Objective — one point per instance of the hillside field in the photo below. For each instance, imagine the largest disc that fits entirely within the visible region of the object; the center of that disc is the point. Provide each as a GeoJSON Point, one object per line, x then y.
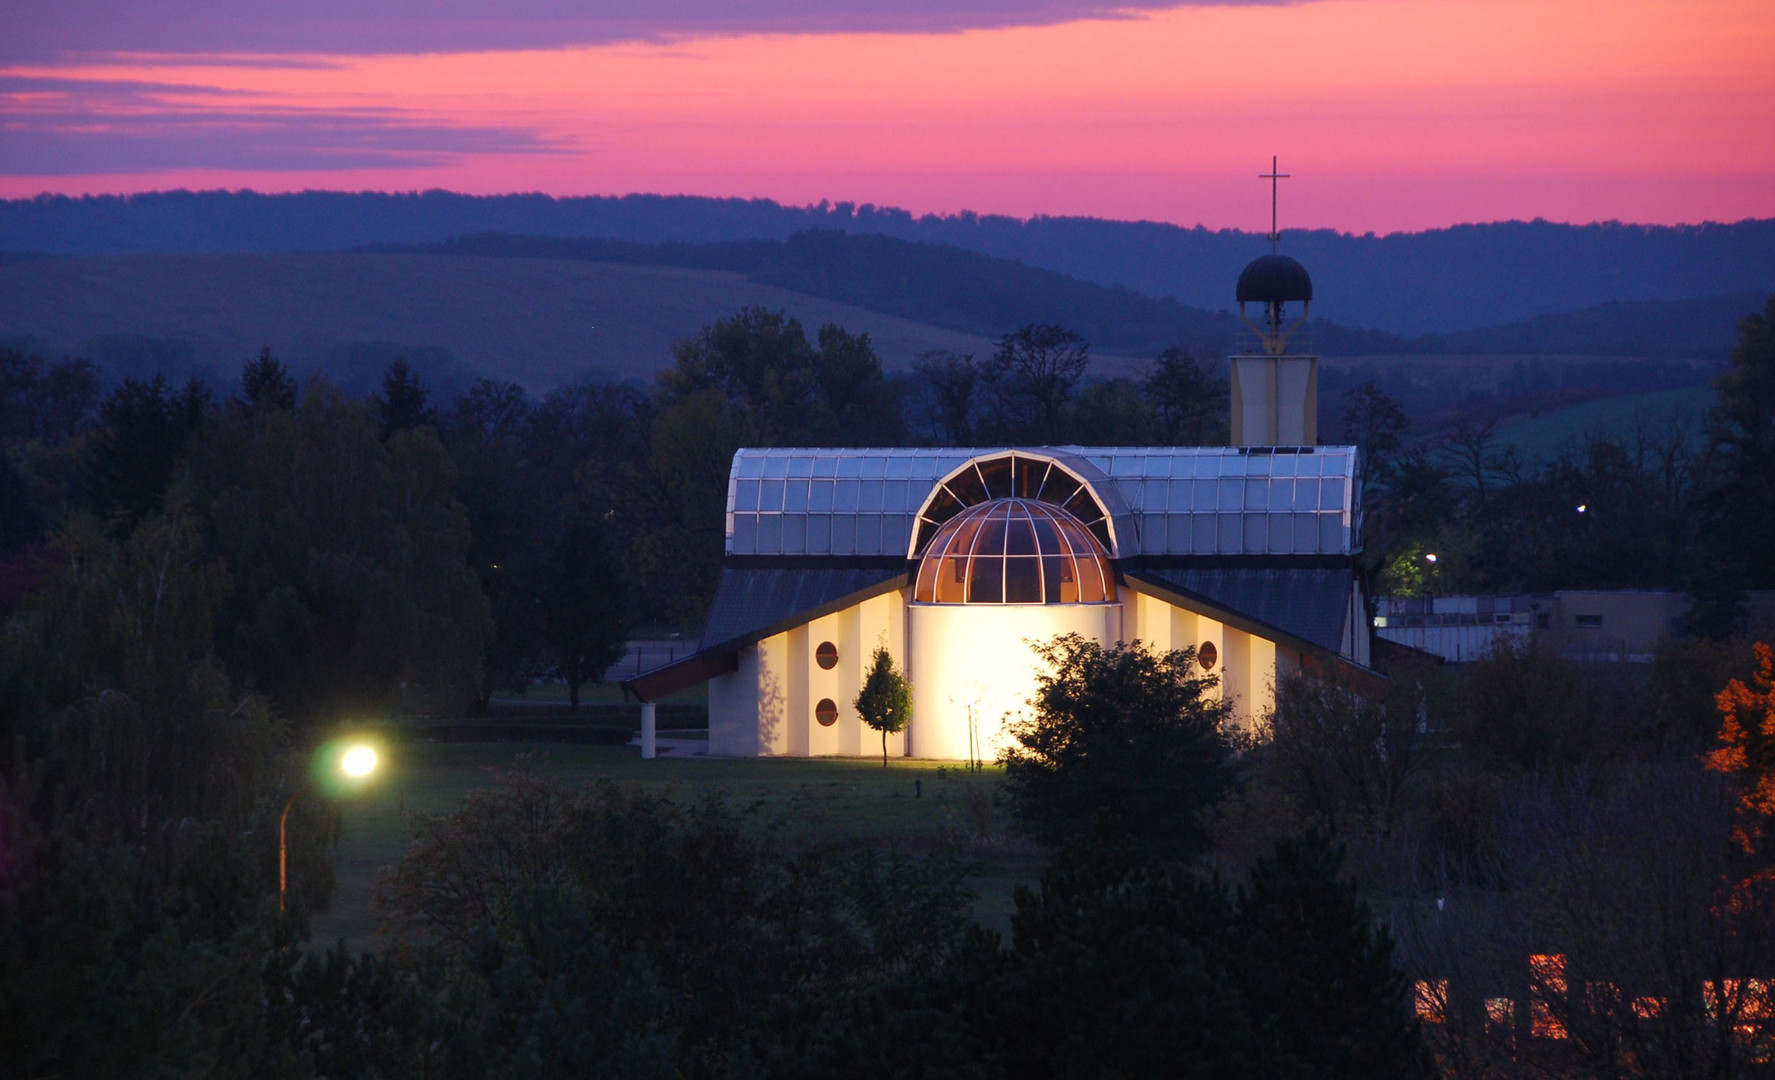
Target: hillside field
{"type": "Point", "coordinates": [1540, 438]}
{"type": "Point", "coordinates": [541, 323]}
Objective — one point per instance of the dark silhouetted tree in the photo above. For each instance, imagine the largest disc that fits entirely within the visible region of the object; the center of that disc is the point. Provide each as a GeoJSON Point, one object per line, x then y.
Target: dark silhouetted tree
{"type": "Point", "coordinates": [1376, 424]}
{"type": "Point", "coordinates": [404, 403]}
{"type": "Point", "coordinates": [1121, 739]}
{"type": "Point", "coordinates": [42, 402]}
{"type": "Point", "coordinates": [1315, 966]}
{"type": "Point", "coordinates": [266, 385]}
{"type": "Point", "coordinates": [353, 594]}
{"type": "Point", "coordinates": [1191, 405]}
{"type": "Point", "coordinates": [1742, 430]}
{"type": "Point", "coordinates": [948, 380]}
{"type": "Point", "coordinates": [1031, 377]}
{"type": "Point", "coordinates": [585, 587]}
{"type": "Point", "coordinates": [144, 430]}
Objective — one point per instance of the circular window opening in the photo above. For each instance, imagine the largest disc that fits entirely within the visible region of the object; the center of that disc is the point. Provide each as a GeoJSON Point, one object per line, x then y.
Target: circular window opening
{"type": "Point", "coordinates": [1207, 655]}
{"type": "Point", "coordinates": [826, 712]}
{"type": "Point", "coordinates": [826, 655]}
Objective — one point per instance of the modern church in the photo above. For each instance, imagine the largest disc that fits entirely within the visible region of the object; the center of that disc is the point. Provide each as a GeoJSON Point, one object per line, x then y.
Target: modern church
{"type": "Point", "coordinates": [958, 560]}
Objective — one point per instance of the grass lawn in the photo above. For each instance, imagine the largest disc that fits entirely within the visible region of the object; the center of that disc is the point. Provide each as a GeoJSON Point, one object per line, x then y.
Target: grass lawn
{"type": "Point", "coordinates": [911, 805]}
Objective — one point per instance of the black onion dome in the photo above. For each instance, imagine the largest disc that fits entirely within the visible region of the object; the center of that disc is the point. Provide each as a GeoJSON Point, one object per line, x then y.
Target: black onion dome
{"type": "Point", "coordinates": [1275, 278]}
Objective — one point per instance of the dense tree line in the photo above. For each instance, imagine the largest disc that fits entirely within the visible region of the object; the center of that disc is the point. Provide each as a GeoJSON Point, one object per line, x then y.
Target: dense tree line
{"type": "Point", "coordinates": [1663, 507]}
{"type": "Point", "coordinates": [198, 590]}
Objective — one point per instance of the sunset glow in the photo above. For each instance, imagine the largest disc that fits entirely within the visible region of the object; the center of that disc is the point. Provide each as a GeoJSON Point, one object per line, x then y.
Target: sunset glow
{"type": "Point", "coordinates": [1391, 115]}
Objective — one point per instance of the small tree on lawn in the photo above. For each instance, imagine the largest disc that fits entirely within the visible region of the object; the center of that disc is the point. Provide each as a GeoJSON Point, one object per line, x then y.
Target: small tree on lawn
{"type": "Point", "coordinates": [886, 701]}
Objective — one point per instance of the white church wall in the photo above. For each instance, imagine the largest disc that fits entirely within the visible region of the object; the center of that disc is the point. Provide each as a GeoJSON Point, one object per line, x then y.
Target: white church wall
{"type": "Point", "coordinates": [823, 684]}
{"type": "Point", "coordinates": [1235, 672]}
{"type": "Point", "coordinates": [850, 674]}
{"type": "Point", "coordinates": [769, 706]}
{"type": "Point", "coordinates": [733, 709]}
{"type": "Point", "coordinates": [976, 658]}
{"type": "Point", "coordinates": [1150, 620]}
{"type": "Point", "coordinates": [1189, 628]}
{"type": "Point", "coordinates": [798, 664]}
{"type": "Point", "coordinates": [774, 720]}
{"type": "Point", "coordinates": [1261, 683]}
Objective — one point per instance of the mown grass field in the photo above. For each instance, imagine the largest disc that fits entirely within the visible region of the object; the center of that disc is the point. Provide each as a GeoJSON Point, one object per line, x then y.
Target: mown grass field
{"type": "Point", "coordinates": [1541, 438]}
{"type": "Point", "coordinates": [912, 805]}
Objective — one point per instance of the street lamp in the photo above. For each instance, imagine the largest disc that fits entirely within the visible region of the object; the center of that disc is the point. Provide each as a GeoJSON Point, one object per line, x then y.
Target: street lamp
{"type": "Point", "coordinates": [355, 763]}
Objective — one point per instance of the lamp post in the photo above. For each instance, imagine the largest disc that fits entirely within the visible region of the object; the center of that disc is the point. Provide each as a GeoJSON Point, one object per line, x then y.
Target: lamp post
{"type": "Point", "coordinates": [356, 763]}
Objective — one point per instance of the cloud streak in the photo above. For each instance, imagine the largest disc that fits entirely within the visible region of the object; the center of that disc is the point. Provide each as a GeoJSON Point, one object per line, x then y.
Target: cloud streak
{"type": "Point", "coordinates": [1391, 113]}
{"type": "Point", "coordinates": [35, 31]}
{"type": "Point", "coordinates": [58, 126]}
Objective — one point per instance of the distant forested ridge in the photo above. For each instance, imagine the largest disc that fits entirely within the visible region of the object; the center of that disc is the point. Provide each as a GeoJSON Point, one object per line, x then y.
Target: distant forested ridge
{"type": "Point", "coordinates": [957, 289]}
{"type": "Point", "coordinates": [1442, 280]}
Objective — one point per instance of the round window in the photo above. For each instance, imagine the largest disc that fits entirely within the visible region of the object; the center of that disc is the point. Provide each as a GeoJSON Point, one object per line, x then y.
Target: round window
{"type": "Point", "coordinates": [826, 712]}
{"type": "Point", "coordinates": [826, 655]}
{"type": "Point", "coordinates": [1207, 655]}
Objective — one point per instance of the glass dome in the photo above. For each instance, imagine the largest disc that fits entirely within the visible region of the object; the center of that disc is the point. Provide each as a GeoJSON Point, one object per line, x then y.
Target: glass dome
{"type": "Point", "coordinates": [1014, 551]}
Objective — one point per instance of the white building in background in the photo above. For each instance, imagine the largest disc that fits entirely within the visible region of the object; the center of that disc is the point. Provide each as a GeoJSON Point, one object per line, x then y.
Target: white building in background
{"type": "Point", "coordinates": [958, 560]}
{"type": "Point", "coordinates": [1620, 625]}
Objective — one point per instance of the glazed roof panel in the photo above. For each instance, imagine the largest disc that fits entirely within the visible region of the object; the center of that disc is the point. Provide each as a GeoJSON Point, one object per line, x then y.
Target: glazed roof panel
{"type": "Point", "coordinates": [1192, 500]}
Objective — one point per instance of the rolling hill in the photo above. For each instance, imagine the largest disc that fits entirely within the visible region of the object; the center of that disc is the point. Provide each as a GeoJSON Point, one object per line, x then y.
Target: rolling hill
{"type": "Point", "coordinates": [1438, 281]}
{"type": "Point", "coordinates": [537, 322]}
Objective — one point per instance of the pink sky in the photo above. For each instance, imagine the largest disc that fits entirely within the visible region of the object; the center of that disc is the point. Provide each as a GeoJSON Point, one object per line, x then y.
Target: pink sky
{"type": "Point", "coordinates": [1391, 114]}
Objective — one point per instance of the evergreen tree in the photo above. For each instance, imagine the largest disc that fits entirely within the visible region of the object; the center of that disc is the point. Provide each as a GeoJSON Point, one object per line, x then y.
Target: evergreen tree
{"type": "Point", "coordinates": [1316, 971]}
{"type": "Point", "coordinates": [886, 701]}
{"type": "Point", "coordinates": [404, 403]}
{"type": "Point", "coordinates": [1743, 435]}
{"type": "Point", "coordinates": [266, 385]}
{"type": "Point", "coordinates": [144, 431]}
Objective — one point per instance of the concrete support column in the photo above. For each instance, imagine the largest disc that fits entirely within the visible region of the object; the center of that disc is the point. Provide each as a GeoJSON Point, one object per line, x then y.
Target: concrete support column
{"type": "Point", "coordinates": [649, 731]}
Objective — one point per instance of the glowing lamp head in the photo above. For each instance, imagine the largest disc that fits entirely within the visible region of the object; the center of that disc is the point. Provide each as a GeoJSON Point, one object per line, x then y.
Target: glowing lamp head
{"type": "Point", "coordinates": [1431, 557]}
{"type": "Point", "coordinates": [1583, 507]}
{"type": "Point", "coordinates": [359, 761]}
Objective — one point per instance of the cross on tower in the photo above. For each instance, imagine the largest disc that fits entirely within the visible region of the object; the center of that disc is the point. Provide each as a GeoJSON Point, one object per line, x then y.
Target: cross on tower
{"type": "Point", "coordinates": [1272, 176]}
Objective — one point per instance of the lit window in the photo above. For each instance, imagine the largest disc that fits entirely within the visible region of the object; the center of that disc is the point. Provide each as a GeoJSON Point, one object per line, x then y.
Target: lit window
{"type": "Point", "coordinates": [1431, 1000]}
{"type": "Point", "coordinates": [1500, 1012]}
{"type": "Point", "coordinates": [1547, 987]}
{"type": "Point", "coordinates": [1014, 551]}
{"type": "Point", "coordinates": [1011, 476]}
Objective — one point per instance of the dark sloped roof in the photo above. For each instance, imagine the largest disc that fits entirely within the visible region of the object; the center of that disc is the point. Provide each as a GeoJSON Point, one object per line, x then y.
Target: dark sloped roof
{"type": "Point", "coordinates": [1309, 603]}
{"type": "Point", "coordinates": [755, 602]}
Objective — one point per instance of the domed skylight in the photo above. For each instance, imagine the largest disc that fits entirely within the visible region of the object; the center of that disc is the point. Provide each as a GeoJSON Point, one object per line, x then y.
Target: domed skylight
{"type": "Point", "coordinates": [1014, 551]}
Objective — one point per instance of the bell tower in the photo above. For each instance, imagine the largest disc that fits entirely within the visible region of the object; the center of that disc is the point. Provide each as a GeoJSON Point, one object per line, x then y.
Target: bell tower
{"type": "Point", "coordinates": [1275, 391]}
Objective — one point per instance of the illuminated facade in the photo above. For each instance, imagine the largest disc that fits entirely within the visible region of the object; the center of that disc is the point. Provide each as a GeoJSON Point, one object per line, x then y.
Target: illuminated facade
{"type": "Point", "coordinates": [956, 560]}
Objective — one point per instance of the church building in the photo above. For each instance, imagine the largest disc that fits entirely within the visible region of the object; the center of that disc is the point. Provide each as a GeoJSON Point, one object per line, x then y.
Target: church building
{"type": "Point", "coordinates": [957, 560]}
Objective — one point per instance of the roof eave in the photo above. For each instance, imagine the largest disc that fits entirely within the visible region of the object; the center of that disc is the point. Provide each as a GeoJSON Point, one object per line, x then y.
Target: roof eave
{"type": "Point", "coordinates": [1238, 620]}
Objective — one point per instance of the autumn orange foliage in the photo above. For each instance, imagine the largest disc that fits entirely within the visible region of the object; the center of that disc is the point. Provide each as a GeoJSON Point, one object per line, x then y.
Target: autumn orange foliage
{"type": "Point", "coordinates": [1747, 754]}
